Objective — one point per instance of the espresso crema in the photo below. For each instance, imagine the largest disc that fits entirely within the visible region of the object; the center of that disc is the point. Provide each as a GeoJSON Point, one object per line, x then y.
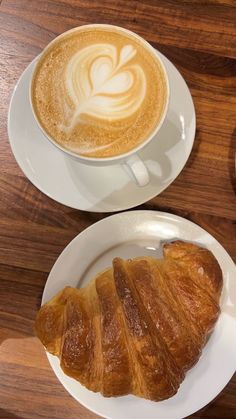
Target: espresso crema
{"type": "Point", "coordinates": [99, 91]}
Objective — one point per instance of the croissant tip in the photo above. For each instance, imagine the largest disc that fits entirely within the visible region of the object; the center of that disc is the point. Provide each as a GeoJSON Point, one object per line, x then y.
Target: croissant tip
{"type": "Point", "coordinates": [117, 261]}
{"type": "Point", "coordinates": [179, 248]}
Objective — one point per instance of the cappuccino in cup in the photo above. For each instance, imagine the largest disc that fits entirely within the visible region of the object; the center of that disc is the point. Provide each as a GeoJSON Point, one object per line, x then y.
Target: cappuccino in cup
{"type": "Point", "coordinates": [99, 91]}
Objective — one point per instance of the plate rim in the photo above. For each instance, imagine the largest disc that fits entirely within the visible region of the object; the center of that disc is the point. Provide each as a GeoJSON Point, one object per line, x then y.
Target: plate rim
{"type": "Point", "coordinates": [158, 214]}
{"type": "Point", "coordinates": [124, 213]}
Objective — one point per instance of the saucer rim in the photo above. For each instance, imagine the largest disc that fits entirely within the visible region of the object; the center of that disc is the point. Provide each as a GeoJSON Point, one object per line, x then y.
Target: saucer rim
{"type": "Point", "coordinates": [95, 208]}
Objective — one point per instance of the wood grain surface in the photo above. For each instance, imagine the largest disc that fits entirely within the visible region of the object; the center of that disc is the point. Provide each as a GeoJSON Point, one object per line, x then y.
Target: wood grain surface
{"type": "Point", "coordinates": [199, 37]}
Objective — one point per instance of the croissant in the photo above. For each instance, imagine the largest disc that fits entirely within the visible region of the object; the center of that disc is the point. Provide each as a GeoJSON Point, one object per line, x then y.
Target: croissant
{"type": "Point", "coordinates": [138, 326]}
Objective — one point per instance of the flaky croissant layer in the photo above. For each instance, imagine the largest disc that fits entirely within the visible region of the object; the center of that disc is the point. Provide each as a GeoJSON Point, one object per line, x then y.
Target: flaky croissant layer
{"type": "Point", "coordinates": [138, 326]}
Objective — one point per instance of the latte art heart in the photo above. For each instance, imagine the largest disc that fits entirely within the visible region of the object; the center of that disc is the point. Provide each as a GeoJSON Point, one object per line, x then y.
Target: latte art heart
{"type": "Point", "coordinates": [102, 83]}
{"type": "Point", "coordinates": [99, 91]}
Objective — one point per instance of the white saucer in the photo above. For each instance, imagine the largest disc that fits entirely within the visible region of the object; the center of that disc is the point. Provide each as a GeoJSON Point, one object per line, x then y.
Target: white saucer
{"type": "Point", "coordinates": [140, 233]}
{"type": "Point", "coordinates": [101, 189]}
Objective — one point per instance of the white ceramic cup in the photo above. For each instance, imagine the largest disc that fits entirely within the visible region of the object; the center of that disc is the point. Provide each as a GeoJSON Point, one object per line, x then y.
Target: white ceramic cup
{"type": "Point", "coordinates": [136, 167]}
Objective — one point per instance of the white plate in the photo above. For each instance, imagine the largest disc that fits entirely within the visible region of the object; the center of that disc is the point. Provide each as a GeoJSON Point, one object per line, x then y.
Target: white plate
{"type": "Point", "coordinates": [101, 189]}
{"type": "Point", "coordinates": [139, 233]}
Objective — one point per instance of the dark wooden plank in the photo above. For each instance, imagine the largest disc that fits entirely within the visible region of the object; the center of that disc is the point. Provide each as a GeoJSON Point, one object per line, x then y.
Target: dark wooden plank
{"type": "Point", "coordinates": [170, 22]}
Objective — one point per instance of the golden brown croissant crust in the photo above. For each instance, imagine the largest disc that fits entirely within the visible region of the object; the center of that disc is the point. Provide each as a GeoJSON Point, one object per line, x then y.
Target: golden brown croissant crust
{"type": "Point", "coordinates": [137, 327]}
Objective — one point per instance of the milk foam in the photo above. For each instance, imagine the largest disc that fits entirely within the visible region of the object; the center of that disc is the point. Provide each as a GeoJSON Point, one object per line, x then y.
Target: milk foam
{"type": "Point", "coordinates": [102, 83]}
{"type": "Point", "coordinates": [98, 92]}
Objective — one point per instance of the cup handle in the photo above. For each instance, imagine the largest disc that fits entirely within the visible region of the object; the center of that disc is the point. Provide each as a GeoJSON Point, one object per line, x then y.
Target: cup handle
{"type": "Point", "coordinates": [138, 170]}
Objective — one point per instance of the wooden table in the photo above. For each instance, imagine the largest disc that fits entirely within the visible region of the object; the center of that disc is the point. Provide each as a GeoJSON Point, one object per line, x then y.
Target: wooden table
{"type": "Point", "coordinates": [200, 39]}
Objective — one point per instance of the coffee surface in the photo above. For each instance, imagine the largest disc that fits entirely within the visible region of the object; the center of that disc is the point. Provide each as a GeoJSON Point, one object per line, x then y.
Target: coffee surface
{"type": "Point", "coordinates": [98, 92]}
